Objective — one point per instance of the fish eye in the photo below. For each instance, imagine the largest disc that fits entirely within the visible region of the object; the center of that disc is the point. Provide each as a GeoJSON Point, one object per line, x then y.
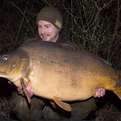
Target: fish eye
{"type": "Point", "coordinates": [3, 58]}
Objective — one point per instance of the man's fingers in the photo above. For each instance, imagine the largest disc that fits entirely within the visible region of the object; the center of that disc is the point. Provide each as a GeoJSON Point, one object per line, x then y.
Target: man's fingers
{"type": "Point", "coordinates": [100, 92]}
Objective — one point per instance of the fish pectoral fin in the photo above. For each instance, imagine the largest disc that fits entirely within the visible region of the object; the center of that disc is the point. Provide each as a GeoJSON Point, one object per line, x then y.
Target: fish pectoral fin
{"type": "Point", "coordinates": [61, 104]}
{"type": "Point", "coordinates": [25, 91]}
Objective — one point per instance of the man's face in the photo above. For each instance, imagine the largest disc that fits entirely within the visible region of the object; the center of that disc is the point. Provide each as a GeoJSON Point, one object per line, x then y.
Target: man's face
{"type": "Point", "coordinates": [47, 31]}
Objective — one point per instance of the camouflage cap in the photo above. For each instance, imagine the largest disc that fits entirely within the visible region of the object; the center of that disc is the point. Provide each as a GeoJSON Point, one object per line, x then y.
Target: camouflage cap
{"type": "Point", "coordinates": [51, 15]}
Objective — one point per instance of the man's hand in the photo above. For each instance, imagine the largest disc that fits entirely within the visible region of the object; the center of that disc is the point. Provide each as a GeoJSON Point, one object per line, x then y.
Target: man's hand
{"type": "Point", "coordinates": [100, 92]}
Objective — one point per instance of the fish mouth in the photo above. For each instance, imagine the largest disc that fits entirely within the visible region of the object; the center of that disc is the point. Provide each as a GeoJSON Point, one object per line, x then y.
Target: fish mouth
{"type": "Point", "coordinates": [2, 73]}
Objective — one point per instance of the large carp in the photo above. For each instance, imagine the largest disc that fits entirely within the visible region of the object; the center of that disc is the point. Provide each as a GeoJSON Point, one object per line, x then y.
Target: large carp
{"type": "Point", "coordinates": [57, 73]}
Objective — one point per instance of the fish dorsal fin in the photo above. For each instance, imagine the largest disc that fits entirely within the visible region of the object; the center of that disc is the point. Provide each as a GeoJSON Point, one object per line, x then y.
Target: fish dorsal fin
{"type": "Point", "coordinates": [62, 104]}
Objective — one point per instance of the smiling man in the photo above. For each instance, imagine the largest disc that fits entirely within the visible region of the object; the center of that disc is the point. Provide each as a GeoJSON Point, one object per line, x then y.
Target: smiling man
{"type": "Point", "coordinates": [49, 24]}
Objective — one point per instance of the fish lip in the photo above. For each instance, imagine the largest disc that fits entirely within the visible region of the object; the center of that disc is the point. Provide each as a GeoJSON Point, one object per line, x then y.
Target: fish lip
{"type": "Point", "coordinates": [2, 73]}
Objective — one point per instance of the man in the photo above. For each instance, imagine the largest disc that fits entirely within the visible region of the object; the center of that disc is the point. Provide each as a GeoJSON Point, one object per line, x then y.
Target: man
{"type": "Point", "coordinates": [49, 24]}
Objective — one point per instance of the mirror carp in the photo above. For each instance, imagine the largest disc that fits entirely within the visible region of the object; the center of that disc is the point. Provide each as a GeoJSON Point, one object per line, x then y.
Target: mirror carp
{"type": "Point", "coordinates": [57, 73]}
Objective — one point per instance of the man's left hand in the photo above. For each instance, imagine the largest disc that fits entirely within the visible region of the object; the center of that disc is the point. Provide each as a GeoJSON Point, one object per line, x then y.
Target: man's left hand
{"type": "Point", "coordinates": [100, 92]}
